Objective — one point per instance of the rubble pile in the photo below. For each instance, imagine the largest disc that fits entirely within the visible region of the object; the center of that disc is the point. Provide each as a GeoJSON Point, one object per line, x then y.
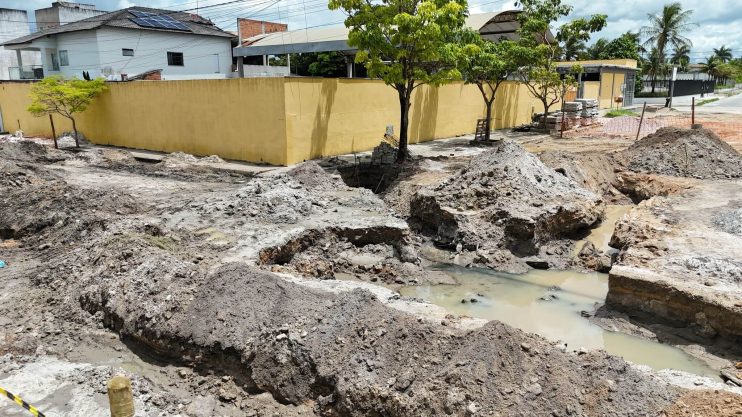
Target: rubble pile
{"type": "Point", "coordinates": [506, 200]}
{"type": "Point", "coordinates": [696, 153]}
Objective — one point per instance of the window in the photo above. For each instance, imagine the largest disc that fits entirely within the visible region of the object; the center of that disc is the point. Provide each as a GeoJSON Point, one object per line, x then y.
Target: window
{"type": "Point", "coordinates": [127, 52]}
{"type": "Point", "coordinates": [64, 60]}
{"type": "Point", "coordinates": [175, 58]}
{"type": "Point", "coordinates": [55, 61]}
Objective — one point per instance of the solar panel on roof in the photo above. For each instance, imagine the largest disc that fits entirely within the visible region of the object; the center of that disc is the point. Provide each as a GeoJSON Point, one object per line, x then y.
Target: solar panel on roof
{"type": "Point", "coordinates": [138, 13]}
{"type": "Point", "coordinates": [152, 20]}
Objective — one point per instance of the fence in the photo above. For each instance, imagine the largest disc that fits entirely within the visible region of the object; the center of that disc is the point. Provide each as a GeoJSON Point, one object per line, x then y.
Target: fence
{"type": "Point", "coordinates": [634, 127]}
{"type": "Point", "coordinates": [682, 87]}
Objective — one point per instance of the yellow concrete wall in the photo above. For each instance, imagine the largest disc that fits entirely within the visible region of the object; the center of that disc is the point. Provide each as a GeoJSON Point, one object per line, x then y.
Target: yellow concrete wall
{"type": "Point", "coordinates": [337, 116]}
{"type": "Point", "coordinates": [274, 120]}
{"type": "Point", "coordinates": [241, 119]}
{"type": "Point", "coordinates": [610, 87]}
{"type": "Point", "coordinates": [591, 89]}
{"type": "Point", "coordinates": [14, 101]}
{"type": "Point", "coordinates": [631, 63]}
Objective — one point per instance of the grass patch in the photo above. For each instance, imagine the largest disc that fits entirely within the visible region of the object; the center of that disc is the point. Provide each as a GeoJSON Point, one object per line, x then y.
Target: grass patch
{"type": "Point", "coordinates": [620, 112]}
{"type": "Point", "coordinates": [706, 101]}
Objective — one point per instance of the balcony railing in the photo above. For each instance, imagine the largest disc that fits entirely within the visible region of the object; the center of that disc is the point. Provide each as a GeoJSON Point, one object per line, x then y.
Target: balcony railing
{"type": "Point", "coordinates": [26, 72]}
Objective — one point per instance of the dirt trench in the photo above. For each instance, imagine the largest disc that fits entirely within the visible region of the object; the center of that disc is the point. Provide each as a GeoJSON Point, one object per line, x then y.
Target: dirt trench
{"type": "Point", "coordinates": [140, 264]}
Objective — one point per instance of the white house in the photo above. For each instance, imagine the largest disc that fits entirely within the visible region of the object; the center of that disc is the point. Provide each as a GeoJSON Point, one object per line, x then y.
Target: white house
{"type": "Point", "coordinates": [14, 23]}
{"type": "Point", "coordinates": [129, 42]}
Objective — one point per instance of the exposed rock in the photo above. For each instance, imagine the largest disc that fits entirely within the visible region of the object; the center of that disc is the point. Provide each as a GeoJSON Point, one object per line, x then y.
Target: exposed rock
{"type": "Point", "coordinates": [666, 273]}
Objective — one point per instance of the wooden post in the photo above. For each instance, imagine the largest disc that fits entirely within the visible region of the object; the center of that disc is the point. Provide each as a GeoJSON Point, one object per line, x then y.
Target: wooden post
{"type": "Point", "coordinates": [120, 397]}
{"type": "Point", "coordinates": [54, 132]}
{"type": "Point", "coordinates": [693, 112]}
{"type": "Point", "coordinates": [641, 120]}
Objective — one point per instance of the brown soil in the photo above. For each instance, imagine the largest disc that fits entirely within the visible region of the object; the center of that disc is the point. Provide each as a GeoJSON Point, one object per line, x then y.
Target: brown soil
{"type": "Point", "coordinates": [706, 404]}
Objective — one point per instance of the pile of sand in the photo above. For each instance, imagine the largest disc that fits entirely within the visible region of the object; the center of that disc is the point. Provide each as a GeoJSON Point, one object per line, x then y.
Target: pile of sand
{"type": "Point", "coordinates": [696, 153]}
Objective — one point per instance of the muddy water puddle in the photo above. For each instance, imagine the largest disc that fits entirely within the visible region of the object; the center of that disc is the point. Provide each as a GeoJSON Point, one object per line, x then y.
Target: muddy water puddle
{"type": "Point", "coordinates": [551, 304]}
{"type": "Point", "coordinates": [555, 305]}
{"type": "Point", "coordinates": [601, 235]}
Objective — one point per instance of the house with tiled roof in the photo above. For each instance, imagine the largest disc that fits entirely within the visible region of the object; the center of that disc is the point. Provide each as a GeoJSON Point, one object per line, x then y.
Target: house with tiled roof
{"type": "Point", "coordinates": [129, 42]}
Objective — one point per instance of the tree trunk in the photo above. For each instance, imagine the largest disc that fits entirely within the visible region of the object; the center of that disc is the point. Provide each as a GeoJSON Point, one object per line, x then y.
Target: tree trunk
{"type": "Point", "coordinates": [546, 113]}
{"type": "Point", "coordinates": [74, 129]}
{"type": "Point", "coordinates": [404, 111]}
{"type": "Point", "coordinates": [488, 123]}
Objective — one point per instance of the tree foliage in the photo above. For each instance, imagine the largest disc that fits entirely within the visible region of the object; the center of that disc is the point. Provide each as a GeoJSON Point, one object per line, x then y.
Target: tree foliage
{"type": "Point", "coordinates": [55, 95]}
{"type": "Point", "coordinates": [666, 29]}
{"type": "Point", "coordinates": [536, 55]}
{"type": "Point", "coordinates": [681, 56]}
{"type": "Point", "coordinates": [723, 54]}
{"type": "Point", "coordinates": [625, 46]}
{"type": "Point", "coordinates": [406, 43]}
{"type": "Point", "coordinates": [487, 65]}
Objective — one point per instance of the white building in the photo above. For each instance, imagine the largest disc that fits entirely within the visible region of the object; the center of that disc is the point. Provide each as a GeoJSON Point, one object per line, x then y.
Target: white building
{"type": "Point", "coordinates": [62, 12]}
{"type": "Point", "coordinates": [129, 42]}
{"type": "Point", "coordinates": [14, 23]}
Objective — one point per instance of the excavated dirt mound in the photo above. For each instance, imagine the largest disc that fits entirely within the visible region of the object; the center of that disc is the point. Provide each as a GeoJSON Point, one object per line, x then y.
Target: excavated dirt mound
{"type": "Point", "coordinates": [594, 171]}
{"type": "Point", "coordinates": [351, 355]}
{"type": "Point", "coordinates": [29, 151]}
{"type": "Point", "coordinates": [312, 176]}
{"type": "Point", "coordinates": [52, 206]}
{"type": "Point", "coordinates": [506, 199]}
{"type": "Point", "coordinates": [696, 153]}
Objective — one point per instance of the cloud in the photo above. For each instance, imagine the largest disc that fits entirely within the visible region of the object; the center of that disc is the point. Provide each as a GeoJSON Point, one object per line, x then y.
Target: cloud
{"type": "Point", "coordinates": [718, 22]}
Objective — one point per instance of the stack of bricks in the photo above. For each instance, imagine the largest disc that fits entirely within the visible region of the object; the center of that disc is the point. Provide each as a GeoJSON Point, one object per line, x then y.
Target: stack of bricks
{"type": "Point", "coordinates": [589, 110]}
{"type": "Point", "coordinates": [572, 111]}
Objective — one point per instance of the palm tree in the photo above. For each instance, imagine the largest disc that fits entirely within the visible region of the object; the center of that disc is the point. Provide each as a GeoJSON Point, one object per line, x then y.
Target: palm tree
{"type": "Point", "coordinates": [711, 66]}
{"type": "Point", "coordinates": [667, 29]}
{"type": "Point", "coordinates": [681, 56]}
{"type": "Point", "coordinates": [723, 54]}
{"type": "Point", "coordinates": [654, 66]}
{"type": "Point", "coordinates": [573, 49]}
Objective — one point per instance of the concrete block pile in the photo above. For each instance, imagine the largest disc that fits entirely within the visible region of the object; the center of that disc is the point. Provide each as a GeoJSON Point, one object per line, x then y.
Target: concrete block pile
{"type": "Point", "coordinates": [589, 110]}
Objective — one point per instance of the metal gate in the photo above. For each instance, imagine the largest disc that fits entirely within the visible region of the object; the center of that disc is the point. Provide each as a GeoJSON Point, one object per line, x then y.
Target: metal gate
{"type": "Point", "coordinates": [628, 90]}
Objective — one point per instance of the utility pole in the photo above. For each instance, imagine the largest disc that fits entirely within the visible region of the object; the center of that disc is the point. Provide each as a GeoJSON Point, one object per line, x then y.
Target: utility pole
{"type": "Point", "coordinates": [672, 85]}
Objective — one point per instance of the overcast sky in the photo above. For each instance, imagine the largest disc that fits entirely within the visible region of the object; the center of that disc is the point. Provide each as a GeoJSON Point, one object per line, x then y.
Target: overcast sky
{"type": "Point", "coordinates": [719, 21]}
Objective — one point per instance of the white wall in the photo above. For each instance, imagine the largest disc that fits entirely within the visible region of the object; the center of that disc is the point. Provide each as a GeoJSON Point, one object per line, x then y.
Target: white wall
{"type": "Point", "coordinates": [56, 15]}
{"type": "Point", "coordinates": [14, 24]}
{"type": "Point", "coordinates": [150, 52]}
{"type": "Point", "coordinates": [82, 53]}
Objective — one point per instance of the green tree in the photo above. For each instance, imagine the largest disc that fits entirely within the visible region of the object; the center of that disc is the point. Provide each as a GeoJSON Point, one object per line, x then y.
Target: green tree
{"type": "Point", "coordinates": [625, 46]}
{"type": "Point", "coordinates": [487, 65]}
{"type": "Point", "coordinates": [573, 49]}
{"type": "Point", "coordinates": [655, 66]}
{"type": "Point", "coordinates": [711, 67]}
{"type": "Point", "coordinates": [597, 49]}
{"type": "Point", "coordinates": [681, 56]}
{"type": "Point", "coordinates": [723, 54]}
{"type": "Point", "coordinates": [406, 43]}
{"type": "Point", "coordinates": [55, 95]}
{"type": "Point", "coordinates": [329, 64]}
{"type": "Point", "coordinates": [537, 56]}
{"type": "Point", "coordinates": [725, 72]}
{"type": "Point", "coordinates": [665, 29]}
